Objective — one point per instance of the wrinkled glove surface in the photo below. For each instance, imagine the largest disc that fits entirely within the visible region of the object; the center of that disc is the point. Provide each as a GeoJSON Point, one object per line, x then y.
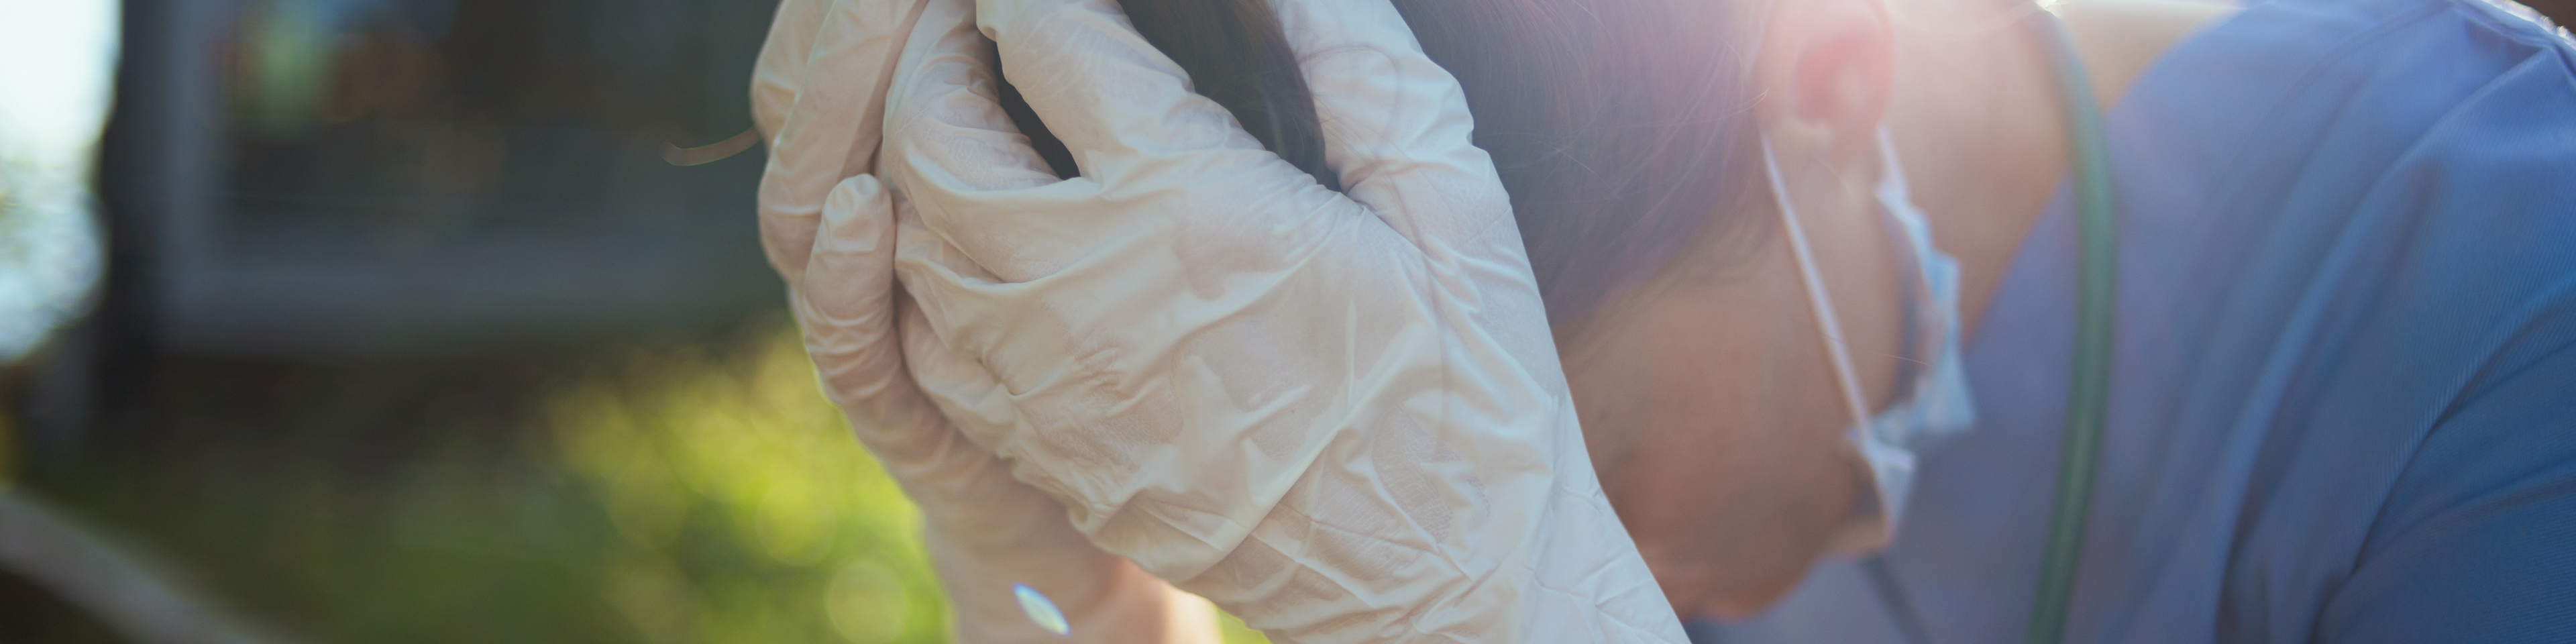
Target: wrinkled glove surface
{"type": "Point", "coordinates": [826, 222]}
{"type": "Point", "coordinates": [1340, 417]}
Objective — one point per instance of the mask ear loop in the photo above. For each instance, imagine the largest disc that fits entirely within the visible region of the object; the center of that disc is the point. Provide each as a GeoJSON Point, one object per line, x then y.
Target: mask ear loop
{"type": "Point", "coordinates": [1925, 327]}
{"type": "Point", "coordinates": [1817, 298]}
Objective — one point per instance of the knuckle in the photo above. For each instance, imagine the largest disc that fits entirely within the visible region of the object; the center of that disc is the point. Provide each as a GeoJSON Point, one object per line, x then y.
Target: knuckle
{"type": "Point", "coordinates": [786, 243]}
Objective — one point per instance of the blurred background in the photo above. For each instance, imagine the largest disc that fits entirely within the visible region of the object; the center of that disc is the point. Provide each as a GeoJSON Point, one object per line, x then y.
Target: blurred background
{"type": "Point", "coordinates": [385, 321]}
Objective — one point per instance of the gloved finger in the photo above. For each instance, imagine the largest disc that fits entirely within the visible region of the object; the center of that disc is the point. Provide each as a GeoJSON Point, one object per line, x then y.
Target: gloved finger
{"type": "Point", "coordinates": [1398, 134]}
{"type": "Point", "coordinates": [847, 308]}
{"type": "Point", "coordinates": [833, 130]}
{"type": "Point", "coordinates": [775, 78]}
{"type": "Point", "coordinates": [947, 135]}
{"type": "Point", "coordinates": [954, 381]}
{"type": "Point", "coordinates": [1152, 153]}
{"type": "Point", "coordinates": [960, 332]}
{"type": "Point", "coordinates": [967, 491]}
{"type": "Point", "coordinates": [992, 512]}
{"type": "Point", "coordinates": [788, 240]}
{"type": "Point", "coordinates": [1115, 100]}
{"type": "Point", "coordinates": [948, 328]}
{"type": "Point", "coordinates": [849, 315]}
{"type": "Point", "coordinates": [780, 70]}
{"type": "Point", "coordinates": [1396, 128]}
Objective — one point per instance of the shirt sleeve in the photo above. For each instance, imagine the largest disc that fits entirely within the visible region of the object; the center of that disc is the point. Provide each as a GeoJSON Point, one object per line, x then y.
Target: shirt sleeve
{"type": "Point", "coordinates": [2478, 540]}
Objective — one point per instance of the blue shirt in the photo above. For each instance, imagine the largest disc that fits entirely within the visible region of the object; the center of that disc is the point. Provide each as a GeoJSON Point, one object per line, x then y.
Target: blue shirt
{"type": "Point", "coordinates": [2343, 401]}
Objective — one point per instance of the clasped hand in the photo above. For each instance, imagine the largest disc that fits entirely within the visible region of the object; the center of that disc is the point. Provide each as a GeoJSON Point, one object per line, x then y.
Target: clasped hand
{"type": "Point", "coordinates": [1337, 415]}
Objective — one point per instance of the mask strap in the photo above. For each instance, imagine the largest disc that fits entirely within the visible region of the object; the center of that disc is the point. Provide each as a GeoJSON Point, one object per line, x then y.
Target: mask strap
{"type": "Point", "coordinates": [1912, 235]}
{"type": "Point", "coordinates": [1893, 185]}
{"type": "Point", "coordinates": [1817, 298]}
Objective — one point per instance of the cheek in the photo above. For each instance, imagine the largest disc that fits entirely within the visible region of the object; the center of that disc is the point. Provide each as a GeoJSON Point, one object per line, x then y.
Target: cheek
{"type": "Point", "coordinates": [1763, 542]}
{"type": "Point", "coordinates": [1730, 514]}
{"type": "Point", "coordinates": [1722, 473]}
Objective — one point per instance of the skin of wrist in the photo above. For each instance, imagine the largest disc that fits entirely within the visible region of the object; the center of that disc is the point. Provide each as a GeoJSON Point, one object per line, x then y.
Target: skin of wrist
{"type": "Point", "coordinates": [1104, 598]}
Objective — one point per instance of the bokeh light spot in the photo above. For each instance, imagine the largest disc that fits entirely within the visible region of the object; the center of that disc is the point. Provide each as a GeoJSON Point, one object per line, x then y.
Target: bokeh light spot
{"type": "Point", "coordinates": [1041, 610]}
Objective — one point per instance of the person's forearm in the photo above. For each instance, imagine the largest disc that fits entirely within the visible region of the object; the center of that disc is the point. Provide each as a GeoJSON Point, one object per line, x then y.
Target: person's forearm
{"type": "Point", "coordinates": [1107, 600]}
{"type": "Point", "coordinates": [1140, 608]}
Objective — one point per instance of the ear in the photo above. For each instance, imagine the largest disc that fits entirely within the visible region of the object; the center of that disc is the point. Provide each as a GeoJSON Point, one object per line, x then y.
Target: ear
{"type": "Point", "coordinates": [1826, 70]}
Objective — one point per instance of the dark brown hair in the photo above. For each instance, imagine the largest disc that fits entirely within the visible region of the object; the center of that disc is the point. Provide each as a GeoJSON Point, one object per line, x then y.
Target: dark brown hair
{"type": "Point", "coordinates": [1621, 127]}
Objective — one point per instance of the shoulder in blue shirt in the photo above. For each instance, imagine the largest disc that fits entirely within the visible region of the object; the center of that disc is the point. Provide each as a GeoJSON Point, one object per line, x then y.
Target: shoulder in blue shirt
{"type": "Point", "coordinates": [2344, 388]}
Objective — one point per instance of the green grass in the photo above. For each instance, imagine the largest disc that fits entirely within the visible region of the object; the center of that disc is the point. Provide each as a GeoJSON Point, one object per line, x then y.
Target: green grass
{"type": "Point", "coordinates": [680, 494]}
{"type": "Point", "coordinates": [742, 451]}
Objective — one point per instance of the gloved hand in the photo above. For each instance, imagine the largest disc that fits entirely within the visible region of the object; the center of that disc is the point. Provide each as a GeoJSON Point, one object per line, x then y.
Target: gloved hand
{"type": "Point", "coordinates": [827, 226]}
{"type": "Point", "coordinates": [1339, 417]}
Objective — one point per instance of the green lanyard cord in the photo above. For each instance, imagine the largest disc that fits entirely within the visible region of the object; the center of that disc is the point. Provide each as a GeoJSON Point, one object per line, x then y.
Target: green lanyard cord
{"type": "Point", "coordinates": [2089, 390]}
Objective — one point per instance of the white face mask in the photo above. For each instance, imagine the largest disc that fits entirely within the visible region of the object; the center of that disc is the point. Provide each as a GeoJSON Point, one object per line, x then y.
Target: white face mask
{"type": "Point", "coordinates": [1933, 401]}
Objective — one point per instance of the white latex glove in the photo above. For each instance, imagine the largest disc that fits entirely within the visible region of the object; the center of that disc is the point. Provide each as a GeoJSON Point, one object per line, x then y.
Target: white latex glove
{"type": "Point", "coordinates": [817, 94]}
{"type": "Point", "coordinates": [1341, 418]}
